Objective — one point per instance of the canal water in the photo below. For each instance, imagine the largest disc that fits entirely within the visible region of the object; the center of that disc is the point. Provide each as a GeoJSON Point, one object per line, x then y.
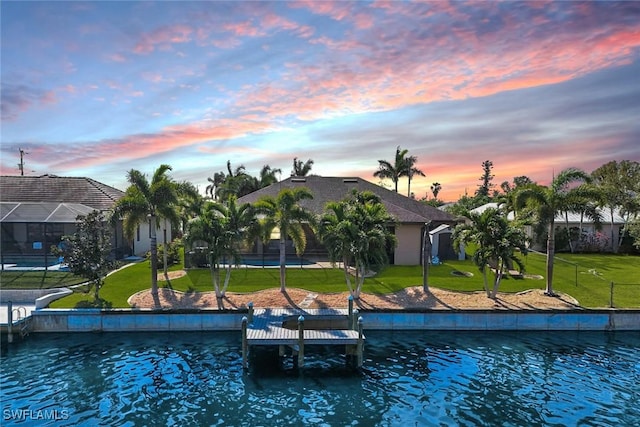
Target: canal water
{"type": "Point", "coordinates": [409, 379]}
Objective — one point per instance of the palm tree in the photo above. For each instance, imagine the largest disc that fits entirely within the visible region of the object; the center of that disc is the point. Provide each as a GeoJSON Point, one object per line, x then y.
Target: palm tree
{"type": "Point", "coordinates": [586, 208]}
{"type": "Point", "coordinates": [266, 178]}
{"type": "Point", "coordinates": [496, 240]}
{"type": "Point", "coordinates": [410, 171]}
{"type": "Point", "coordinates": [547, 202]}
{"type": "Point", "coordinates": [356, 230]}
{"type": "Point", "coordinates": [214, 185]}
{"type": "Point", "coordinates": [223, 227]}
{"type": "Point", "coordinates": [190, 203]}
{"type": "Point", "coordinates": [285, 212]}
{"type": "Point", "coordinates": [435, 189]}
{"type": "Point", "coordinates": [393, 171]}
{"type": "Point", "coordinates": [144, 200]}
{"type": "Point", "coordinates": [301, 169]}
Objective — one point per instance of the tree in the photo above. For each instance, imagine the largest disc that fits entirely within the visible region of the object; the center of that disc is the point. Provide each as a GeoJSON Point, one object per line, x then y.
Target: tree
{"type": "Point", "coordinates": [484, 189]}
{"type": "Point", "coordinates": [214, 185]}
{"type": "Point", "coordinates": [464, 204]}
{"type": "Point", "coordinates": [387, 170]}
{"type": "Point", "coordinates": [619, 183]}
{"type": "Point", "coordinates": [435, 189]}
{"type": "Point", "coordinates": [634, 231]}
{"type": "Point", "coordinates": [410, 171]}
{"type": "Point", "coordinates": [356, 231]}
{"type": "Point", "coordinates": [223, 227]}
{"type": "Point", "coordinates": [547, 202]}
{"type": "Point", "coordinates": [586, 208]}
{"type": "Point", "coordinates": [286, 213]}
{"type": "Point", "coordinates": [506, 200]}
{"type": "Point", "coordinates": [86, 252]}
{"type": "Point", "coordinates": [233, 183]}
{"type": "Point", "coordinates": [190, 203]}
{"type": "Point", "coordinates": [496, 241]}
{"type": "Point", "coordinates": [268, 176]}
{"type": "Point", "coordinates": [301, 169]}
{"type": "Point", "coordinates": [144, 200]}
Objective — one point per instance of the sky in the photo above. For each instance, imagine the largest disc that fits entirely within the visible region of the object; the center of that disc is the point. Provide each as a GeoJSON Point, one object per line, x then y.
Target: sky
{"type": "Point", "coordinates": [96, 89]}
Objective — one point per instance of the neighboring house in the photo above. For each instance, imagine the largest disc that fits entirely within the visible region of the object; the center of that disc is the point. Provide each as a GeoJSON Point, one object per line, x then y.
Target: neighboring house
{"type": "Point", "coordinates": [36, 211]}
{"type": "Point", "coordinates": [491, 205]}
{"type": "Point", "coordinates": [586, 234]}
{"type": "Point", "coordinates": [410, 214]}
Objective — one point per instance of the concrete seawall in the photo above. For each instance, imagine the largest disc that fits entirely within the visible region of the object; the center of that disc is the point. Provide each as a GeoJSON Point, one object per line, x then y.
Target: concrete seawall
{"type": "Point", "coordinates": [125, 320]}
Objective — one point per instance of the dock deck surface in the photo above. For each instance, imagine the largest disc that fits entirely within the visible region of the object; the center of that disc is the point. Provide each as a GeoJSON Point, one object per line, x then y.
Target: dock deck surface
{"type": "Point", "coordinates": [266, 328]}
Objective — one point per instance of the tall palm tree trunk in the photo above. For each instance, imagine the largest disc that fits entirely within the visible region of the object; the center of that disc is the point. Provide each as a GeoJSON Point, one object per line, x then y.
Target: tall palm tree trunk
{"type": "Point", "coordinates": [551, 249]}
{"type": "Point", "coordinates": [426, 258]}
{"type": "Point", "coordinates": [283, 260]}
{"type": "Point", "coordinates": [154, 256]}
{"type": "Point", "coordinates": [497, 278]}
{"type": "Point", "coordinates": [568, 231]}
{"type": "Point", "coordinates": [614, 246]}
{"type": "Point", "coordinates": [164, 252]}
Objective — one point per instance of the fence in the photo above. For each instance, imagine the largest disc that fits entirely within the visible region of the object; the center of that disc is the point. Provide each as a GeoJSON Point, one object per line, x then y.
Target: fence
{"type": "Point", "coordinates": [592, 282]}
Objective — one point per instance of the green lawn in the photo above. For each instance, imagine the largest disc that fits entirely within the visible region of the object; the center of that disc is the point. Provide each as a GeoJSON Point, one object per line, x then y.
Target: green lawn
{"type": "Point", "coordinates": [37, 279]}
{"type": "Point", "coordinates": [592, 288]}
{"type": "Point", "coordinates": [588, 277]}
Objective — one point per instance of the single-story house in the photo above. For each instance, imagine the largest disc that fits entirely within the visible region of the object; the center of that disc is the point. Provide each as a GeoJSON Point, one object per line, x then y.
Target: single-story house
{"type": "Point", "coordinates": [36, 211]}
{"type": "Point", "coordinates": [585, 233]}
{"type": "Point", "coordinates": [410, 214]}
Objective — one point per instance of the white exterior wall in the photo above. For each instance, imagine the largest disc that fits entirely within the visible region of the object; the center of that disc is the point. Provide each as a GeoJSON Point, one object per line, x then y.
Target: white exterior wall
{"type": "Point", "coordinates": [408, 250]}
{"type": "Point", "coordinates": [143, 245]}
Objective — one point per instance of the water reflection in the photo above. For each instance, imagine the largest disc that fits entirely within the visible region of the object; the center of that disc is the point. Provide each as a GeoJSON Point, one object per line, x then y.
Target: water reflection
{"type": "Point", "coordinates": [410, 378]}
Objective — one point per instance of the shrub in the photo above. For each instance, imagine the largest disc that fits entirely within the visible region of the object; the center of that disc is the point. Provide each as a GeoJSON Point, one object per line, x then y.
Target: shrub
{"type": "Point", "coordinates": [173, 253]}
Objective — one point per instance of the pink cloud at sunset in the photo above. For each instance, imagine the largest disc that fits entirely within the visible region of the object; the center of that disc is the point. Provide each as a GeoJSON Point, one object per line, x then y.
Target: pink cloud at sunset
{"type": "Point", "coordinates": [163, 36]}
{"type": "Point", "coordinates": [524, 84]}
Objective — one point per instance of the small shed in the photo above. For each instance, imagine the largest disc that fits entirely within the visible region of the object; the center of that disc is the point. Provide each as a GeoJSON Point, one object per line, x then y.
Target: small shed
{"type": "Point", "coordinates": [442, 244]}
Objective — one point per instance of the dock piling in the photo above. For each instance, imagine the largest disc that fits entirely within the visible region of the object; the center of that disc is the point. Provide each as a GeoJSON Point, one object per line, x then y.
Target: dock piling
{"type": "Point", "coordinates": [10, 321]}
{"type": "Point", "coordinates": [360, 349]}
{"type": "Point", "coordinates": [245, 346]}
{"type": "Point", "coordinates": [300, 341]}
{"type": "Point", "coordinates": [250, 312]}
{"type": "Point", "coordinates": [354, 322]}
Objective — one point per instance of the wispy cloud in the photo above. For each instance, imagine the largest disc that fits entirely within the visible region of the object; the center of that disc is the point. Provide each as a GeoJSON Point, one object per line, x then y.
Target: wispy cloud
{"type": "Point", "coordinates": [198, 75]}
{"type": "Point", "coordinates": [163, 37]}
{"type": "Point", "coordinates": [19, 98]}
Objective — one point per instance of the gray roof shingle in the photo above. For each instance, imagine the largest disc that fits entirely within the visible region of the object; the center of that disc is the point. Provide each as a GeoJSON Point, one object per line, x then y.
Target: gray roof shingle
{"type": "Point", "coordinates": [326, 189]}
{"type": "Point", "coordinates": [55, 189]}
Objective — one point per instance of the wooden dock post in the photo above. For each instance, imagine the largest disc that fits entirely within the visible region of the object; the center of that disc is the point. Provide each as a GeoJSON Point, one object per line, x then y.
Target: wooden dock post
{"type": "Point", "coordinates": [10, 321]}
{"type": "Point", "coordinates": [300, 341]}
{"type": "Point", "coordinates": [350, 312]}
{"type": "Point", "coordinates": [354, 323]}
{"type": "Point", "coordinates": [250, 312]}
{"type": "Point", "coordinates": [360, 343]}
{"type": "Point", "coordinates": [245, 345]}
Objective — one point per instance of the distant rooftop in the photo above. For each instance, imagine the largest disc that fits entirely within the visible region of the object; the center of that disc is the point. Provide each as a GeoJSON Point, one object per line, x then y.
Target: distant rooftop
{"type": "Point", "coordinates": [326, 189]}
{"type": "Point", "coordinates": [56, 189]}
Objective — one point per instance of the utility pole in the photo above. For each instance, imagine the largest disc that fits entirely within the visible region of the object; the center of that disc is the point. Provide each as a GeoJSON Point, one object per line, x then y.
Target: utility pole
{"type": "Point", "coordinates": [21, 164]}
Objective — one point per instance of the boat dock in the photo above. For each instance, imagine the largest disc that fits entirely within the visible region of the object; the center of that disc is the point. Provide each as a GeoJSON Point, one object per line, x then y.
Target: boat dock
{"type": "Point", "coordinates": [294, 329]}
